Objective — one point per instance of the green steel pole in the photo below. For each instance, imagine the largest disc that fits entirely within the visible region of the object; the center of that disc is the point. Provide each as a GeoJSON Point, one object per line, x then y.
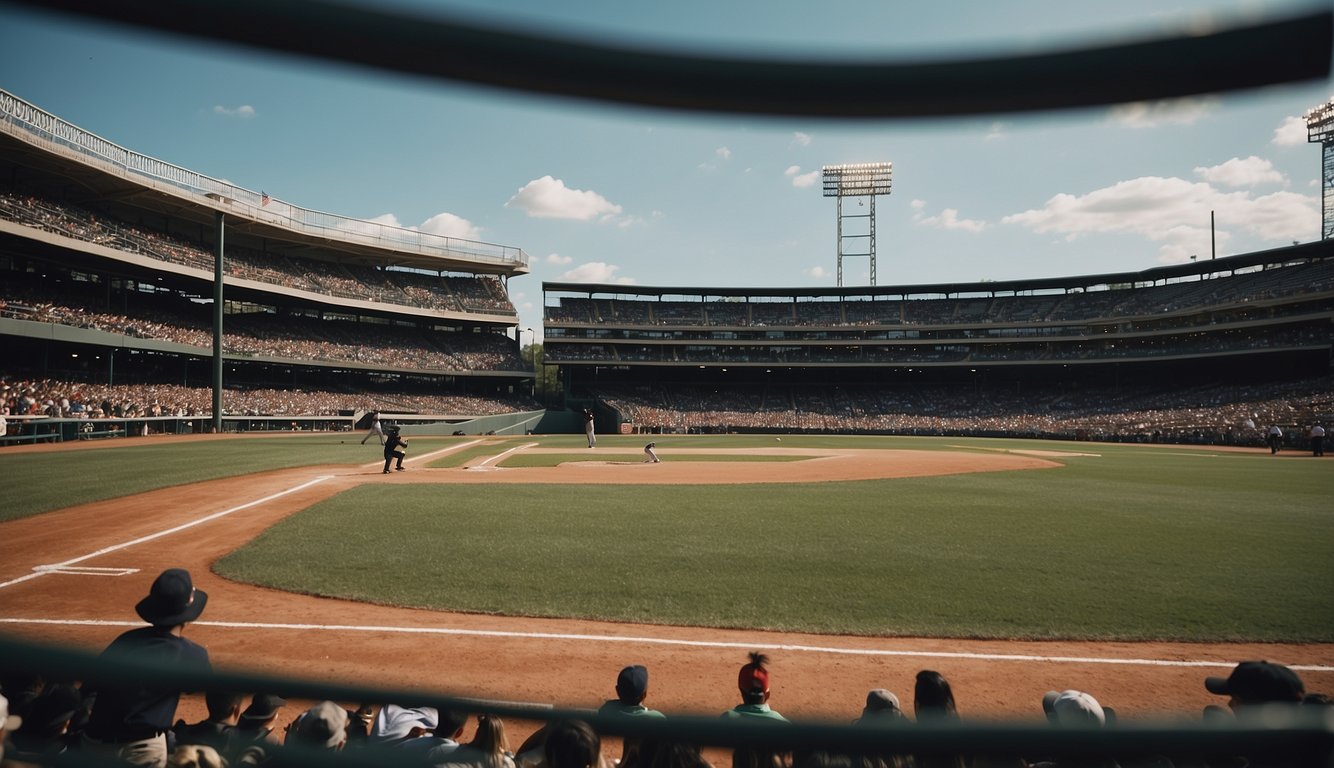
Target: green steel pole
{"type": "Point", "coordinates": [217, 325]}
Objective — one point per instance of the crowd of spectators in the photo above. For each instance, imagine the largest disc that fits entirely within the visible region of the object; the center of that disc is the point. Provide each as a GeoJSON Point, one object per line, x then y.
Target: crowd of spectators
{"type": "Point", "coordinates": [1206, 414]}
{"type": "Point", "coordinates": [263, 334]}
{"type": "Point", "coordinates": [82, 400]}
{"type": "Point", "coordinates": [1125, 303]}
{"type": "Point", "coordinates": [404, 287]}
{"type": "Point", "coordinates": [54, 721]}
{"type": "Point", "coordinates": [959, 350]}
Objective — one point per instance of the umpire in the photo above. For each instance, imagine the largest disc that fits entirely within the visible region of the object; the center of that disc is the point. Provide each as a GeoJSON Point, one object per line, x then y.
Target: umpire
{"type": "Point", "coordinates": [395, 448]}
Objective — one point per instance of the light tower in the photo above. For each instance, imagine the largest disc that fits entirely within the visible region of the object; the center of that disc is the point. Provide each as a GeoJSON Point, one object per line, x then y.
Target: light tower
{"type": "Point", "coordinates": [864, 181]}
{"type": "Point", "coordinates": [1320, 130]}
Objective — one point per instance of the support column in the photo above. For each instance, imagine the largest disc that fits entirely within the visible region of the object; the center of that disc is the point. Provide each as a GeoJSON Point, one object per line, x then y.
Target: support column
{"type": "Point", "coordinates": [219, 227]}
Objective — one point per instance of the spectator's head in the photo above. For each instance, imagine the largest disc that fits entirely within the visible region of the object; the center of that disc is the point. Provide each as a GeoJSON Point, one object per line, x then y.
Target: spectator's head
{"type": "Point", "coordinates": [882, 708]}
{"type": "Point", "coordinates": [449, 724]}
{"type": "Point", "coordinates": [490, 737]}
{"type": "Point", "coordinates": [224, 706]}
{"type": "Point", "coordinates": [173, 600]}
{"type": "Point", "coordinates": [50, 713]}
{"type": "Point", "coordinates": [753, 679]}
{"type": "Point", "coordinates": [933, 697]}
{"type": "Point", "coordinates": [1258, 682]}
{"type": "Point", "coordinates": [323, 726]}
{"type": "Point", "coordinates": [195, 756]}
{"type": "Point", "coordinates": [632, 685]}
{"type": "Point", "coordinates": [263, 710]}
{"type": "Point", "coordinates": [572, 744]}
{"type": "Point", "coordinates": [1073, 709]}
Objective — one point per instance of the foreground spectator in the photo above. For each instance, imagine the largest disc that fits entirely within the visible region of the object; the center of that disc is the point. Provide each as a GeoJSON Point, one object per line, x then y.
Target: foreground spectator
{"type": "Point", "coordinates": [753, 682]}
{"type": "Point", "coordinates": [489, 748]}
{"type": "Point", "coordinates": [218, 730]}
{"type": "Point", "coordinates": [394, 723]}
{"type": "Point", "coordinates": [42, 738]}
{"type": "Point", "coordinates": [572, 744]}
{"type": "Point", "coordinates": [130, 723]}
{"type": "Point", "coordinates": [196, 756]}
{"type": "Point", "coordinates": [322, 727]}
{"type": "Point", "coordinates": [256, 737]}
{"type": "Point", "coordinates": [631, 690]}
{"type": "Point", "coordinates": [8, 724]}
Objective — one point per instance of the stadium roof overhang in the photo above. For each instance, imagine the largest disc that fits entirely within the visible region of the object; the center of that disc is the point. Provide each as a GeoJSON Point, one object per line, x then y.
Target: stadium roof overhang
{"type": "Point", "coordinates": [1317, 250]}
{"type": "Point", "coordinates": [65, 178]}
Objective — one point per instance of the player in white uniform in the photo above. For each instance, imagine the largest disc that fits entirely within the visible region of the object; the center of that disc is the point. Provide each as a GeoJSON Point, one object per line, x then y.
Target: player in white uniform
{"type": "Point", "coordinates": [376, 429]}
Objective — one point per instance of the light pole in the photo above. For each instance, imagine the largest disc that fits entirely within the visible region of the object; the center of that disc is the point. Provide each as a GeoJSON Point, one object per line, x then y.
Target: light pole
{"type": "Point", "coordinates": [532, 358]}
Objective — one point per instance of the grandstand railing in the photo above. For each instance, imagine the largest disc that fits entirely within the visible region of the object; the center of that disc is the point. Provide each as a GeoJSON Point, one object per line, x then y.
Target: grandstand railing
{"type": "Point", "coordinates": [35, 126]}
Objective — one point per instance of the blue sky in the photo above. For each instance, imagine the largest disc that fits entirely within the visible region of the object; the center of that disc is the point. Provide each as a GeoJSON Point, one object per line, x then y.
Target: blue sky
{"type": "Point", "coordinates": [626, 194]}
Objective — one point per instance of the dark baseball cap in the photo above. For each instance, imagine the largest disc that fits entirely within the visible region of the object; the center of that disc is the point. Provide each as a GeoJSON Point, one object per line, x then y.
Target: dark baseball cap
{"type": "Point", "coordinates": [632, 684]}
{"type": "Point", "coordinates": [1259, 682]}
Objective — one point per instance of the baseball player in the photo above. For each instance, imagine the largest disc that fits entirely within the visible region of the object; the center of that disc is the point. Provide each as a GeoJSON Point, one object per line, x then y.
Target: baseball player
{"type": "Point", "coordinates": [588, 429]}
{"type": "Point", "coordinates": [652, 457]}
{"type": "Point", "coordinates": [376, 429]}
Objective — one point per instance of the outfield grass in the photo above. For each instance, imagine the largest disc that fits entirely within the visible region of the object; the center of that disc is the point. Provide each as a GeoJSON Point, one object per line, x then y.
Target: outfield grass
{"type": "Point", "coordinates": [1137, 543]}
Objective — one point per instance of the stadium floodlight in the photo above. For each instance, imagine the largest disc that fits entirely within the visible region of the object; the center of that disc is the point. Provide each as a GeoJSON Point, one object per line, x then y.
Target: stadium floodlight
{"type": "Point", "coordinates": [860, 180]}
{"type": "Point", "coordinates": [855, 179]}
{"type": "Point", "coordinates": [1320, 130]}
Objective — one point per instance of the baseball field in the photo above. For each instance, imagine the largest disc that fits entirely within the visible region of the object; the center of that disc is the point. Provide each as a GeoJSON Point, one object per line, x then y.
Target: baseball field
{"type": "Point", "coordinates": [533, 568]}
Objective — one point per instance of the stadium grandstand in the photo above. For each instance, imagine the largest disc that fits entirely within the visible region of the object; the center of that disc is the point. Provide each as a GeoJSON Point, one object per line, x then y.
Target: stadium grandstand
{"type": "Point", "coordinates": [107, 261]}
{"type": "Point", "coordinates": [1198, 352]}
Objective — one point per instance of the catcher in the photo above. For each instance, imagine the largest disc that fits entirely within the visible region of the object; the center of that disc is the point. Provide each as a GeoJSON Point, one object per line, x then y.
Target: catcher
{"type": "Point", "coordinates": [395, 448]}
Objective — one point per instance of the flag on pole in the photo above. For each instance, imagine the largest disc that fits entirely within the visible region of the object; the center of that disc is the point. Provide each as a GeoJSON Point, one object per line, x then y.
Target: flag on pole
{"type": "Point", "coordinates": [264, 198]}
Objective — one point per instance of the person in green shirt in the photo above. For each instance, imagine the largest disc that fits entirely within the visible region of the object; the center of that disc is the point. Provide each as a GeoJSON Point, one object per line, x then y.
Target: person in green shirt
{"type": "Point", "coordinates": [753, 682]}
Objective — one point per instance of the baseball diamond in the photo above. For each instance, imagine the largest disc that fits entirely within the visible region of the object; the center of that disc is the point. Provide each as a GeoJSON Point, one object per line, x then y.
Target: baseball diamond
{"type": "Point", "coordinates": [315, 446]}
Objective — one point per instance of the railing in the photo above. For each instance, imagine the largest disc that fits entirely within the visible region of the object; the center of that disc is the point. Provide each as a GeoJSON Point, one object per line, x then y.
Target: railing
{"type": "Point", "coordinates": [1295, 736]}
{"type": "Point", "coordinates": [35, 126]}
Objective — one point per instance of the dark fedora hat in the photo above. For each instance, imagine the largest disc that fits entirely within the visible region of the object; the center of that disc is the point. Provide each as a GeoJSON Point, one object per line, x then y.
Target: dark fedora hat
{"type": "Point", "coordinates": [172, 600]}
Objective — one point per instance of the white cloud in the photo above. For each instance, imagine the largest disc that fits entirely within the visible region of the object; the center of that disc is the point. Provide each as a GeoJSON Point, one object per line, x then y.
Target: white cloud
{"type": "Point", "coordinates": [723, 152]}
{"type": "Point", "coordinates": [443, 224]}
{"type": "Point", "coordinates": [449, 225]}
{"type": "Point", "coordinates": [595, 272]}
{"type": "Point", "coordinates": [995, 132]}
{"type": "Point", "coordinates": [558, 260]}
{"type": "Point", "coordinates": [1242, 173]}
{"type": "Point", "coordinates": [799, 179]}
{"type": "Point", "coordinates": [1290, 133]}
{"type": "Point", "coordinates": [1151, 114]}
{"type": "Point", "coordinates": [947, 219]}
{"type": "Point", "coordinates": [1175, 213]}
{"type": "Point", "coordinates": [804, 139]}
{"type": "Point", "coordinates": [816, 272]}
{"type": "Point", "coordinates": [243, 112]}
{"type": "Point", "coordinates": [548, 198]}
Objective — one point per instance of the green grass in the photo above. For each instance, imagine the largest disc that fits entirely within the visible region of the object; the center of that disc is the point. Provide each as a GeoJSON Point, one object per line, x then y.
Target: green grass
{"type": "Point", "coordinates": [1139, 543]}
{"type": "Point", "coordinates": [41, 482]}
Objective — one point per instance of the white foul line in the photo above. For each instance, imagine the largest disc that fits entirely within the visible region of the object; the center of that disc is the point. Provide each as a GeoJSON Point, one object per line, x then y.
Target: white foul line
{"type": "Point", "coordinates": [46, 569]}
{"type": "Point", "coordinates": [432, 454]}
{"type": "Point", "coordinates": [667, 641]}
{"type": "Point", "coordinates": [502, 455]}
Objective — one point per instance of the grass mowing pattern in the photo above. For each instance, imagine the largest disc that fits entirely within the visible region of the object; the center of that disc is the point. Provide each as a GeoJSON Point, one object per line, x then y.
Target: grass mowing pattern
{"type": "Point", "coordinates": [1139, 543]}
{"type": "Point", "coordinates": [41, 482]}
